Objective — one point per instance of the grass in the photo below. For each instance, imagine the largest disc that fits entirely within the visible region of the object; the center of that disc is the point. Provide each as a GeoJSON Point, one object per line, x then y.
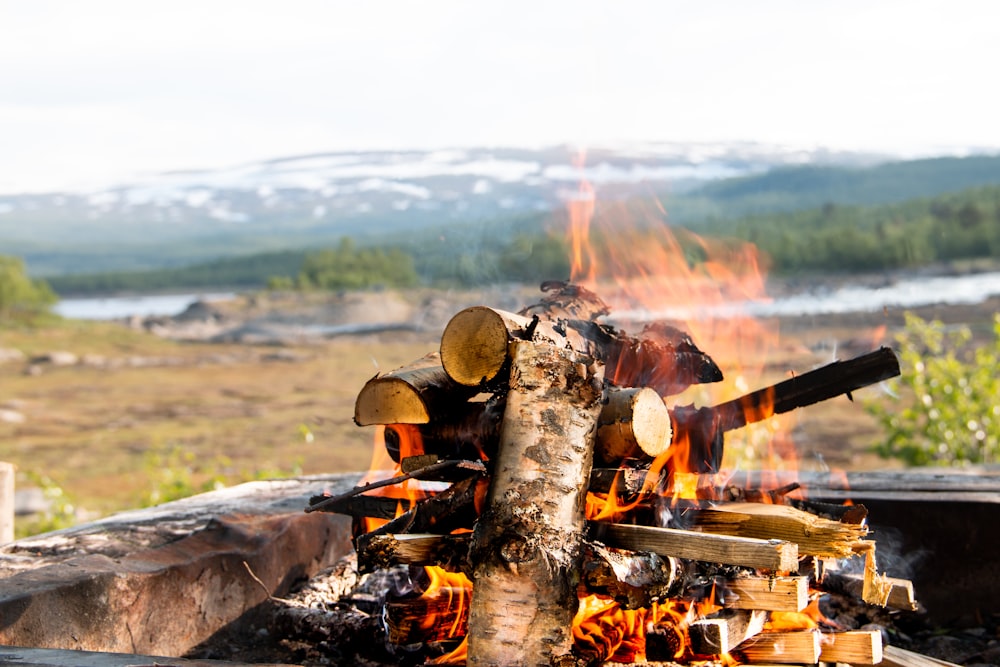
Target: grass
{"type": "Point", "coordinates": [113, 429]}
{"type": "Point", "coordinates": [96, 428]}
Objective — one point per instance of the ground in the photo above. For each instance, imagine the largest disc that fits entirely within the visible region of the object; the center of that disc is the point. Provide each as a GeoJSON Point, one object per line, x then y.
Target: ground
{"type": "Point", "coordinates": [129, 416]}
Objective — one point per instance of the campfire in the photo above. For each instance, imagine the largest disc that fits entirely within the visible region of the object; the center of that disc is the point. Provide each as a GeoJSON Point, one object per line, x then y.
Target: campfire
{"type": "Point", "coordinates": [553, 503]}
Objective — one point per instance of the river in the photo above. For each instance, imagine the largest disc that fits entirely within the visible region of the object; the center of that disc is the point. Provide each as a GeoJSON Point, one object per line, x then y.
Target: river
{"type": "Point", "coordinates": [906, 293]}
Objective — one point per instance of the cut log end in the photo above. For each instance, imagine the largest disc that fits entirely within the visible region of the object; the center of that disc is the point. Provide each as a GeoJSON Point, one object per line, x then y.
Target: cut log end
{"type": "Point", "coordinates": [474, 344]}
{"type": "Point", "coordinates": [634, 424]}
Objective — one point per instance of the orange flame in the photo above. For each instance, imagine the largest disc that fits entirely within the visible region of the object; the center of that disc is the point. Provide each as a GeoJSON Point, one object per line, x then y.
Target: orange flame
{"type": "Point", "coordinates": [650, 271]}
{"type": "Point", "coordinates": [408, 492]}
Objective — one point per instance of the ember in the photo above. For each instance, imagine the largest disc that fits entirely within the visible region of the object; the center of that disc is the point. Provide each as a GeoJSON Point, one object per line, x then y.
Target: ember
{"type": "Point", "coordinates": [549, 479]}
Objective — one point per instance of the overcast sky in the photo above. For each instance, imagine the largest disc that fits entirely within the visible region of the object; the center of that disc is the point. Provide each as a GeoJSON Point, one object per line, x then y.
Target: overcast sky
{"type": "Point", "coordinates": [93, 92]}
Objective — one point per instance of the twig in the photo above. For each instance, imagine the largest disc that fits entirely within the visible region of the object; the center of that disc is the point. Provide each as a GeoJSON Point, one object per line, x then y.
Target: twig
{"type": "Point", "coordinates": [416, 474]}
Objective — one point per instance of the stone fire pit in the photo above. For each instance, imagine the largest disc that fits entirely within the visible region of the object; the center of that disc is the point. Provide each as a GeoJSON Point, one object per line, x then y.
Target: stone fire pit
{"type": "Point", "coordinates": [166, 581]}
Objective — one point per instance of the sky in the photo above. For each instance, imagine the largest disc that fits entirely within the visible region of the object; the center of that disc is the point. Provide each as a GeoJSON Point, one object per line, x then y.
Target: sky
{"type": "Point", "coordinates": [97, 92]}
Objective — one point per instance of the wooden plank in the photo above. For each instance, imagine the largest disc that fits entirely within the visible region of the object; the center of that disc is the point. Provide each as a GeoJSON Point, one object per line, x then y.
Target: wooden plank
{"type": "Point", "coordinates": [857, 647]}
{"type": "Point", "coordinates": [773, 555]}
{"type": "Point", "coordinates": [769, 593]}
{"type": "Point", "coordinates": [724, 632]}
{"type": "Point", "coordinates": [799, 647]}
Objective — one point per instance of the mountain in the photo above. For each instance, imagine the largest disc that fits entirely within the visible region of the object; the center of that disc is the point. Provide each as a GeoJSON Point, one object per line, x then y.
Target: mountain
{"type": "Point", "coordinates": [179, 218]}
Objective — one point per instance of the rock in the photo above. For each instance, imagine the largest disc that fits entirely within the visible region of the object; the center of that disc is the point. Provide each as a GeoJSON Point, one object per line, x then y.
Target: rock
{"type": "Point", "coordinates": [57, 358]}
{"type": "Point", "coordinates": [164, 579]}
{"type": "Point", "coordinates": [9, 354]}
{"type": "Point", "coordinates": [11, 416]}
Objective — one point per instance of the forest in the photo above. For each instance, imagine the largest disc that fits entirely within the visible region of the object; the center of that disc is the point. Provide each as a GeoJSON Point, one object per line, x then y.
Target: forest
{"type": "Point", "coordinates": [829, 238]}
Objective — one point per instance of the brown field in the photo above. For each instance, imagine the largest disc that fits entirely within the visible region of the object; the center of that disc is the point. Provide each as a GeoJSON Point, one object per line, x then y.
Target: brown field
{"type": "Point", "coordinates": [103, 428]}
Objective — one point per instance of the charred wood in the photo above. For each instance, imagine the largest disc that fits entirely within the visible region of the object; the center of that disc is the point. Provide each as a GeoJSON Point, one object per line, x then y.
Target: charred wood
{"type": "Point", "coordinates": [704, 427]}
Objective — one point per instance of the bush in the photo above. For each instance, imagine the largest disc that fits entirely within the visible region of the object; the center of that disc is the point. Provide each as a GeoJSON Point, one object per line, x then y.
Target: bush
{"type": "Point", "coordinates": [19, 294]}
{"type": "Point", "coordinates": [948, 407]}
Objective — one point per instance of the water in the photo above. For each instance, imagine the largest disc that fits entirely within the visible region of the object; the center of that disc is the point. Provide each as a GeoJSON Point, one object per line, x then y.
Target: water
{"type": "Point", "coordinates": [116, 307]}
{"type": "Point", "coordinates": [909, 293]}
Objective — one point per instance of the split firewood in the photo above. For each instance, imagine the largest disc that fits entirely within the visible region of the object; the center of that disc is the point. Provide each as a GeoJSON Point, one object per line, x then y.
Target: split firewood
{"type": "Point", "coordinates": [875, 587]}
{"type": "Point", "coordinates": [634, 579]}
{"type": "Point", "coordinates": [856, 647]}
{"type": "Point", "coordinates": [723, 632]}
{"type": "Point", "coordinates": [768, 593]}
{"type": "Point", "coordinates": [815, 536]}
{"type": "Point", "coordinates": [901, 595]}
{"type": "Point", "coordinates": [527, 546]}
{"type": "Point", "coordinates": [408, 395]}
{"type": "Point", "coordinates": [796, 647]}
{"type": "Point", "coordinates": [763, 554]}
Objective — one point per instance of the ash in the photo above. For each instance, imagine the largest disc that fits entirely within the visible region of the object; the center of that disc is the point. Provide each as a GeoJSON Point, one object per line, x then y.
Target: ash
{"type": "Point", "coordinates": [335, 619]}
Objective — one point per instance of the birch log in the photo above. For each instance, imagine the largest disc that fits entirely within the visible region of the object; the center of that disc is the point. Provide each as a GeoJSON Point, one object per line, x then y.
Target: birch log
{"type": "Point", "coordinates": [527, 546]}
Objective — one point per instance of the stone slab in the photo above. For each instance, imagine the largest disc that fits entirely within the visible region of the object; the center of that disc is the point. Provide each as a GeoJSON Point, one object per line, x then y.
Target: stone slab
{"type": "Point", "coordinates": [162, 580]}
{"type": "Point", "coordinates": [47, 657]}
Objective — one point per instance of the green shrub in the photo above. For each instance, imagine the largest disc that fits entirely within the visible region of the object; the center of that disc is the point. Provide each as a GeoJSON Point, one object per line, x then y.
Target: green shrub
{"type": "Point", "coordinates": [948, 407]}
{"type": "Point", "coordinates": [19, 294]}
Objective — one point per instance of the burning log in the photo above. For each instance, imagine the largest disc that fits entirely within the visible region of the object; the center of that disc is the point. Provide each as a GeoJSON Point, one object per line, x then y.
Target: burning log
{"type": "Point", "coordinates": [475, 350]}
{"type": "Point", "coordinates": [449, 552]}
{"type": "Point", "coordinates": [544, 415]}
{"type": "Point", "coordinates": [703, 428]}
{"type": "Point", "coordinates": [436, 612]}
{"type": "Point", "coordinates": [528, 542]}
{"type": "Point", "coordinates": [634, 423]}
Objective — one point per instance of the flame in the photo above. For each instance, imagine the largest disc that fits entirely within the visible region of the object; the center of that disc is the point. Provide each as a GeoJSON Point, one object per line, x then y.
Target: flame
{"type": "Point", "coordinates": [809, 618]}
{"type": "Point", "coordinates": [647, 271]}
{"type": "Point", "coordinates": [603, 631]}
{"type": "Point", "coordinates": [382, 466]}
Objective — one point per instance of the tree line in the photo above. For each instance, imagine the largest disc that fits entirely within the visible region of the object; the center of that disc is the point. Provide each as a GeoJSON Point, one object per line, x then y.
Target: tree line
{"type": "Point", "coordinates": [829, 238]}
